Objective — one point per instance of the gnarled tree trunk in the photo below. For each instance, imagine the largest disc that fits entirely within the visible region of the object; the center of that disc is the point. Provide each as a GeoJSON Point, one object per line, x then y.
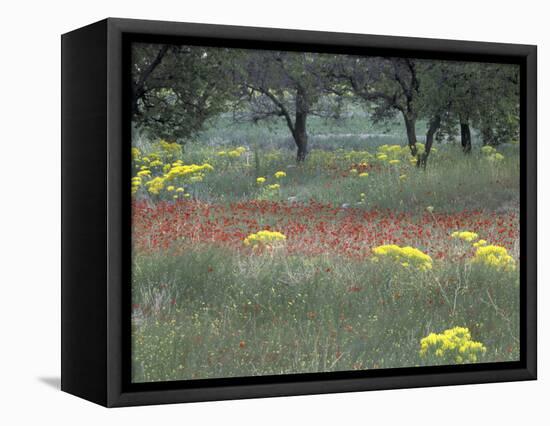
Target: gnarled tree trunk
{"type": "Point", "coordinates": [465, 137]}
{"type": "Point", "coordinates": [300, 125]}
{"type": "Point", "coordinates": [300, 137]}
{"type": "Point", "coordinates": [410, 125]}
{"type": "Point", "coordinates": [435, 122]}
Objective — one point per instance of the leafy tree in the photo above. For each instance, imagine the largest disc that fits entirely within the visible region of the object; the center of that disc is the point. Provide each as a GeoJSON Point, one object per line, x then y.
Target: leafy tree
{"type": "Point", "coordinates": [175, 89]}
{"type": "Point", "coordinates": [434, 102]}
{"type": "Point", "coordinates": [497, 115]}
{"type": "Point", "coordinates": [290, 85]}
{"type": "Point", "coordinates": [485, 96]}
{"type": "Point", "coordinates": [385, 85]}
{"type": "Point", "coordinates": [464, 95]}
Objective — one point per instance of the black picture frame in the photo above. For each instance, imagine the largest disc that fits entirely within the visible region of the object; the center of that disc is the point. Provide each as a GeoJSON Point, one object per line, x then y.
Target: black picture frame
{"type": "Point", "coordinates": [96, 213]}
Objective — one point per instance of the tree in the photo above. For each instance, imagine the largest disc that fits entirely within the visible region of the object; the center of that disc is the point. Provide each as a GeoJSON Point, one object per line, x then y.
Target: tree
{"type": "Point", "coordinates": [498, 108]}
{"type": "Point", "coordinates": [434, 101]}
{"type": "Point", "coordinates": [175, 89]}
{"type": "Point", "coordinates": [465, 94]}
{"type": "Point", "coordinates": [388, 85]}
{"type": "Point", "coordinates": [288, 85]}
{"type": "Point", "coordinates": [484, 96]}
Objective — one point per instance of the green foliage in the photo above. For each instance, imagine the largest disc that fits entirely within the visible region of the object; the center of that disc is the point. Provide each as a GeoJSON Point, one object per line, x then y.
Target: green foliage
{"type": "Point", "coordinates": [177, 89]}
{"type": "Point", "coordinates": [175, 92]}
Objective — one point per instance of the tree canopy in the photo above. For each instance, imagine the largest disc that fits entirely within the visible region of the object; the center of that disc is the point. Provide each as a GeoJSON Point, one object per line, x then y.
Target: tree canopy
{"type": "Point", "coordinates": [176, 89]}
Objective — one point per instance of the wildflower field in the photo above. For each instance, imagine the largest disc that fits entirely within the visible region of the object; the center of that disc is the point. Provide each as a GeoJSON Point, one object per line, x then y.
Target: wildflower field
{"type": "Point", "coordinates": [247, 263]}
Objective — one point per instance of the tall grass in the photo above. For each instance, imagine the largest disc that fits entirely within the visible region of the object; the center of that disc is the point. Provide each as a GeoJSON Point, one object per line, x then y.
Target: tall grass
{"type": "Point", "coordinates": [451, 181]}
{"type": "Point", "coordinates": [214, 313]}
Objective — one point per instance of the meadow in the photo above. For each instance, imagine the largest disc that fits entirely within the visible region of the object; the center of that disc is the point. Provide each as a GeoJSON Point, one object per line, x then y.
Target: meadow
{"type": "Point", "coordinates": [247, 263]}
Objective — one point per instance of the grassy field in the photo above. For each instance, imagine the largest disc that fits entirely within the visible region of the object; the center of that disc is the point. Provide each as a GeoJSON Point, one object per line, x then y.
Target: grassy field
{"type": "Point", "coordinates": [366, 263]}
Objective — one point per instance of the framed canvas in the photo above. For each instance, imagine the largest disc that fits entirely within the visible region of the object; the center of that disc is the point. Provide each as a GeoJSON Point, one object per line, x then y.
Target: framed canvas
{"type": "Point", "coordinates": [254, 212]}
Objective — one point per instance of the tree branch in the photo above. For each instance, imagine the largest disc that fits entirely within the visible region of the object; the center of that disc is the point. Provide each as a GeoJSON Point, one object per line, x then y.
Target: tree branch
{"type": "Point", "coordinates": [282, 108]}
{"type": "Point", "coordinates": [138, 89]}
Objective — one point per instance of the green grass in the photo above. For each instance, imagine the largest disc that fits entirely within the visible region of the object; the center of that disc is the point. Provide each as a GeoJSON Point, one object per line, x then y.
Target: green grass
{"type": "Point", "coordinates": [221, 314]}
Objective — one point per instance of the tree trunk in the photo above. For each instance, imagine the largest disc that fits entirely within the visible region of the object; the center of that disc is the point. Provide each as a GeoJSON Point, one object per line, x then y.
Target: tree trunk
{"type": "Point", "coordinates": [300, 129]}
{"type": "Point", "coordinates": [434, 127]}
{"type": "Point", "coordinates": [410, 125]}
{"type": "Point", "coordinates": [488, 136]}
{"type": "Point", "coordinates": [300, 136]}
{"type": "Point", "coordinates": [465, 137]}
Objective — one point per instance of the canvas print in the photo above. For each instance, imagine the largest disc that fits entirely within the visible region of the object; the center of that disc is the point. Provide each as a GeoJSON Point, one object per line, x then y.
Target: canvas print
{"type": "Point", "coordinates": [303, 212]}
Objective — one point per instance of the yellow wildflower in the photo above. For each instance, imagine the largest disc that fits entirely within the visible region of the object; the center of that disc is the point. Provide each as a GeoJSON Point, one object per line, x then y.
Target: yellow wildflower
{"type": "Point", "coordinates": [465, 235]}
{"type": "Point", "coordinates": [136, 153]}
{"type": "Point", "coordinates": [234, 153]}
{"type": "Point", "coordinates": [454, 345]}
{"type": "Point", "coordinates": [155, 185]}
{"type": "Point", "coordinates": [410, 255]}
{"type": "Point", "coordinates": [496, 157]}
{"type": "Point", "coordinates": [392, 149]}
{"type": "Point", "coordinates": [487, 150]}
{"type": "Point", "coordinates": [480, 243]}
{"type": "Point", "coordinates": [172, 148]}
{"type": "Point", "coordinates": [182, 171]}
{"type": "Point", "coordinates": [264, 238]}
{"type": "Point", "coordinates": [494, 256]}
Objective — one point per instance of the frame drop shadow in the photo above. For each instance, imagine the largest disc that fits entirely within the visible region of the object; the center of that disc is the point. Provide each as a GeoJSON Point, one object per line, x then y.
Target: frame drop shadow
{"type": "Point", "coordinates": [53, 382]}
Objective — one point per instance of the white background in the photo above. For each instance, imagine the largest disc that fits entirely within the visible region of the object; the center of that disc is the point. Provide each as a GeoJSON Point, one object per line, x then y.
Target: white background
{"type": "Point", "coordinates": [30, 211]}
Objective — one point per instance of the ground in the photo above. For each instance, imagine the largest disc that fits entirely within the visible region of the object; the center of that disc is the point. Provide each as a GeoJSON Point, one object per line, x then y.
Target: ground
{"type": "Point", "coordinates": [368, 262]}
